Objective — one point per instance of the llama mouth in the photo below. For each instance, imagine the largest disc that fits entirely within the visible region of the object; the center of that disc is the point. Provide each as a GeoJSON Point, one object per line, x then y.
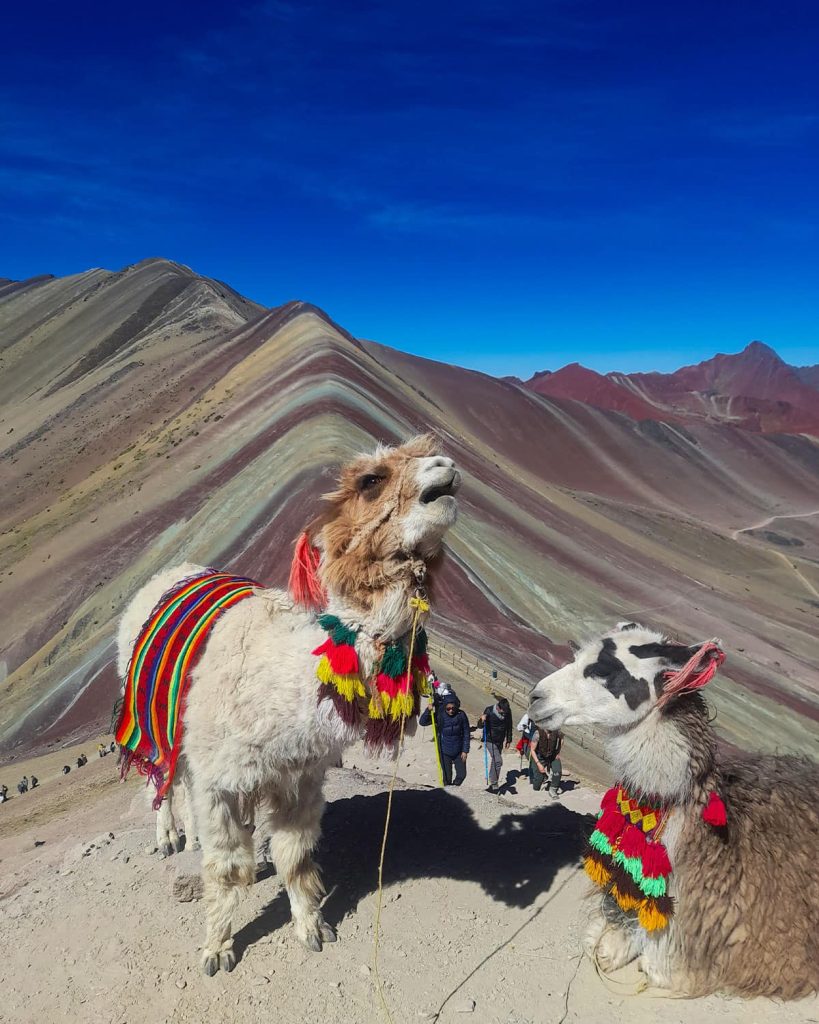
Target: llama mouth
{"type": "Point", "coordinates": [448, 490]}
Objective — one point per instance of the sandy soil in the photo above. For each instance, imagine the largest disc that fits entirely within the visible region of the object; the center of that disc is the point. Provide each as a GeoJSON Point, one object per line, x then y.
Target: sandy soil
{"type": "Point", "coordinates": [483, 911]}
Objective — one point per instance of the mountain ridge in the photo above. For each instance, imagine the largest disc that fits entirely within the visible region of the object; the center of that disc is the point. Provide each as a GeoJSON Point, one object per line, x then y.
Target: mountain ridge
{"type": "Point", "coordinates": [210, 432]}
{"type": "Point", "coordinates": [754, 389]}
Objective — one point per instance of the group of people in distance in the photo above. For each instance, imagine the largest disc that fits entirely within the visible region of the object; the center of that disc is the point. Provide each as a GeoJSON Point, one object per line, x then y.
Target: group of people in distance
{"type": "Point", "coordinates": [26, 783]}
{"type": "Point", "coordinates": [453, 733]}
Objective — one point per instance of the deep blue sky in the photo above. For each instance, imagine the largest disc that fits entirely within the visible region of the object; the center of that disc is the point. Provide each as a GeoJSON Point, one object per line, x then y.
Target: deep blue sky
{"type": "Point", "coordinates": [505, 185]}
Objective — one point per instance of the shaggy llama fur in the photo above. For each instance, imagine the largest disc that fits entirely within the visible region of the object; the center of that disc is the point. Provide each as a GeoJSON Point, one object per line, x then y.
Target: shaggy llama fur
{"type": "Point", "coordinates": [746, 895]}
{"type": "Point", "coordinates": [255, 734]}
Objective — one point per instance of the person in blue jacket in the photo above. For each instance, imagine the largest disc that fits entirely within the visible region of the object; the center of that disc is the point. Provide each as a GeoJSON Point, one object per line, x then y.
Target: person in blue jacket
{"type": "Point", "coordinates": [453, 736]}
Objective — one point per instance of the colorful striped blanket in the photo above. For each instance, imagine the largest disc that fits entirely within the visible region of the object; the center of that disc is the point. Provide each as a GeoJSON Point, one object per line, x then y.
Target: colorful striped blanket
{"type": "Point", "coordinates": [165, 653]}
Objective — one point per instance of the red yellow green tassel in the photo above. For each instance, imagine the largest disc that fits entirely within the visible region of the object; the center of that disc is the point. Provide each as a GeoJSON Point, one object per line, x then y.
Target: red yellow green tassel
{"type": "Point", "coordinates": [627, 859]}
{"type": "Point", "coordinates": [394, 692]}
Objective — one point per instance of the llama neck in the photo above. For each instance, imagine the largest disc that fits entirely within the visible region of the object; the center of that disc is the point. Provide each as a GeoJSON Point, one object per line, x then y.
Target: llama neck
{"type": "Point", "coordinates": [651, 757]}
{"type": "Point", "coordinates": [389, 618]}
{"type": "Point", "coordinates": [670, 753]}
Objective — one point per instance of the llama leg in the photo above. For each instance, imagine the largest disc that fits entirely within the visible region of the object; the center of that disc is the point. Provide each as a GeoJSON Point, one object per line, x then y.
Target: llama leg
{"type": "Point", "coordinates": [295, 829]}
{"type": "Point", "coordinates": [188, 818]}
{"type": "Point", "coordinates": [655, 961]}
{"type": "Point", "coordinates": [227, 864]}
{"type": "Point", "coordinates": [167, 838]}
{"type": "Point", "coordinates": [610, 943]}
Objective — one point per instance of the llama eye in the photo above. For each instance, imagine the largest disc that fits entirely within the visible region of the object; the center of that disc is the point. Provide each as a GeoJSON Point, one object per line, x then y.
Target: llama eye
{"type": "Point", "coordinates": [366, 483]}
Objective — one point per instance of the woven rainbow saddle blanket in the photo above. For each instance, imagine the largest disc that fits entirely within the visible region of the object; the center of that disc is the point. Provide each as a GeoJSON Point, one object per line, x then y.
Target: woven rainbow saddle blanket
{"type": "Point", "coordinates": [164, 655]}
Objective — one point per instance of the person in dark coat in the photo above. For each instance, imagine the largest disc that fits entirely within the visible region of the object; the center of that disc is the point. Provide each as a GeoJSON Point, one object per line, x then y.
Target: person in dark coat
{"type": "Point", "coordinates": [544, 760]}
{"type": "Point", "coordinates": [452, 727]}
{"type": "Point", "coordinates": [496, 722]}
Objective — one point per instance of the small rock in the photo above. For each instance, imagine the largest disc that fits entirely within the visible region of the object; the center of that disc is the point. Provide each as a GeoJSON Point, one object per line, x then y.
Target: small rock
{"type": "Point", "coordinates": [39, 842]}
{"type": "Point", "coordinates": [465, 1006]}
{"type": "Point", "coordinates": [364, 971]}
{"type": "Point", "coordinates": [150, 850]}
{"type": "Point", "coordinates": [181, 983]}
{"type": "Point", "coordinates": [187, 880]}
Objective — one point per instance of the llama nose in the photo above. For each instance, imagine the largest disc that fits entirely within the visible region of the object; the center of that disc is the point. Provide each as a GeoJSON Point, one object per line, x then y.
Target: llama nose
{"type": "Point", "coordinates": [441, 460]}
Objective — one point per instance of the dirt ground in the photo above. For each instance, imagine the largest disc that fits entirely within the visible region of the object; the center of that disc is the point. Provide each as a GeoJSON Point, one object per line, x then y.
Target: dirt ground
{"type": "Point", "coordinates": [483, 910]}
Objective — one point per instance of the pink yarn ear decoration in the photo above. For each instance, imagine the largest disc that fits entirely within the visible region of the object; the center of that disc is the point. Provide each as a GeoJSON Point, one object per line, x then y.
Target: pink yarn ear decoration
{"type": "Point", "coordinates": [305, 586]}
{"type": "Point", "coordinates": [695, 673]}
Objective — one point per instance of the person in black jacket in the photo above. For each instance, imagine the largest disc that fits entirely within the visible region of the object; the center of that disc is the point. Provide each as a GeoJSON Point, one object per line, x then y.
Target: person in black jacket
{"type": "Point", "coordinates": [496, 722]}
{"type": "Point", "coordinates": [544, 760]}
{"type": "Point", "coordinates": [452, 726]}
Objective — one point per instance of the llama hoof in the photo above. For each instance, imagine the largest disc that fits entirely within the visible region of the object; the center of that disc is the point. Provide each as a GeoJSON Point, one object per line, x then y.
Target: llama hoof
{"type": "Point", "coordinates": [614, 949]}
{"type": "Point", "coordinates": [328, 933]}
{"type": "Point", "coordinates": [312, 942]}
{"type": "Point", "coordinates": [165, 850]}
{"type": "Point", "coordinates": [196, 845]}
{"type": "Point", "coordinates": [227, 960]}
{"type": "Point", "coordinates": [210, 964]}
{"type": "Point", "coordinates": [178, 844]}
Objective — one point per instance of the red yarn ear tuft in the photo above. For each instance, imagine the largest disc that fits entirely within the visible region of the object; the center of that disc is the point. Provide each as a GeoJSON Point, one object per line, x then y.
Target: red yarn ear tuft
{"type": "Point", "coordinates": [304, 585]}
{"type": "Point", "coordinates": [714, 812]}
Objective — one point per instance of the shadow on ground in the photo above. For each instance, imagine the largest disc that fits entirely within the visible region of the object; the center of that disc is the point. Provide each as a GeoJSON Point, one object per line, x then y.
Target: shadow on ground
{"type": "Point", "coordinates": [433, 835]}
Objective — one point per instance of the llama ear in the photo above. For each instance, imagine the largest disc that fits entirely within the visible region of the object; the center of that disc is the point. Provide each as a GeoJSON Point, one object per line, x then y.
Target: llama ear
{"type": "Point", "coordinates": [304, 584]}
{"type": "Point", "coordinates": [677, 654]}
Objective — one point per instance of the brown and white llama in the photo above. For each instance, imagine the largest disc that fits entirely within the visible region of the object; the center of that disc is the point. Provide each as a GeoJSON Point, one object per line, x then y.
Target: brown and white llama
{"type": "Point", "coordinates": [259, 727]}
{"type": "Point", "coordinates": [708, 865]}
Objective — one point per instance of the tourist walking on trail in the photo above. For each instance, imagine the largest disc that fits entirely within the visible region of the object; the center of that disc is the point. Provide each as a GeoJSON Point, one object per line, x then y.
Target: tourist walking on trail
{"type": "Point", "coordinates": [544, 761]}
{"type": "Point", "coordinates": [497, 737]}
{"type": "Point", "coordinates": [452, 727]}
{"type": "Point", "coordinates": [3, 794]}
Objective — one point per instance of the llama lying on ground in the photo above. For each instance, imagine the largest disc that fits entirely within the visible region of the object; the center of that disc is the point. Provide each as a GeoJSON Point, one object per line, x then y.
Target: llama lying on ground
{"type": "Point", "coordinates": [709, 866]}
{"type": "Point", "coordinates": [278, 691]}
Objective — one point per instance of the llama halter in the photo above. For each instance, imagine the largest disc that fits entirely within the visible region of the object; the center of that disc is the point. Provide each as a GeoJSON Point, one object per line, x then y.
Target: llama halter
{"type": "Point", "coordinates": [395, 690]}
{"type": "Point", "coordinates": [164, 655]}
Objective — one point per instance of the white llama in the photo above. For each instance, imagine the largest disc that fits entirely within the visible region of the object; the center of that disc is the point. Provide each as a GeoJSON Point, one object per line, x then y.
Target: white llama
{"type": "Point", "coordinates": [723, 848]}
{"type": "Point", "coordinates": [259, 729]}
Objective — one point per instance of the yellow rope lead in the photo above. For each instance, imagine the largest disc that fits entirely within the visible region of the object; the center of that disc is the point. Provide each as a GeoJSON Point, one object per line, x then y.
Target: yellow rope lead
{"type": "Point", "coordinates": [419, 605]}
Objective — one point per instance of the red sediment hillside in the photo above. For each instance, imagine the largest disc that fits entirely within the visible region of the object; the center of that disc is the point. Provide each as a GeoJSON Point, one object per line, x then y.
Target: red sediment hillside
{"type": "Point", "coordinates": [151, 416]}
{"type": "Point", "coordinates": [754, 390]}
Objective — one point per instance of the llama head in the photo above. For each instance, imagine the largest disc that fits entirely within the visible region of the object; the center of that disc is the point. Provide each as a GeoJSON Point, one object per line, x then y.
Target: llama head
{"type": "Point", "coordinates": [388, 513]}
{"type": "Point", "coordinates": [616, 681]}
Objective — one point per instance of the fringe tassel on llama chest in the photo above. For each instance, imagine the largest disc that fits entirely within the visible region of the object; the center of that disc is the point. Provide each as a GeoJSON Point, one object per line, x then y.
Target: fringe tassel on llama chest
{"type": "Point", "coordinates": [628, 861]}
{"type": "Point", "coordinates": [395, 691]}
